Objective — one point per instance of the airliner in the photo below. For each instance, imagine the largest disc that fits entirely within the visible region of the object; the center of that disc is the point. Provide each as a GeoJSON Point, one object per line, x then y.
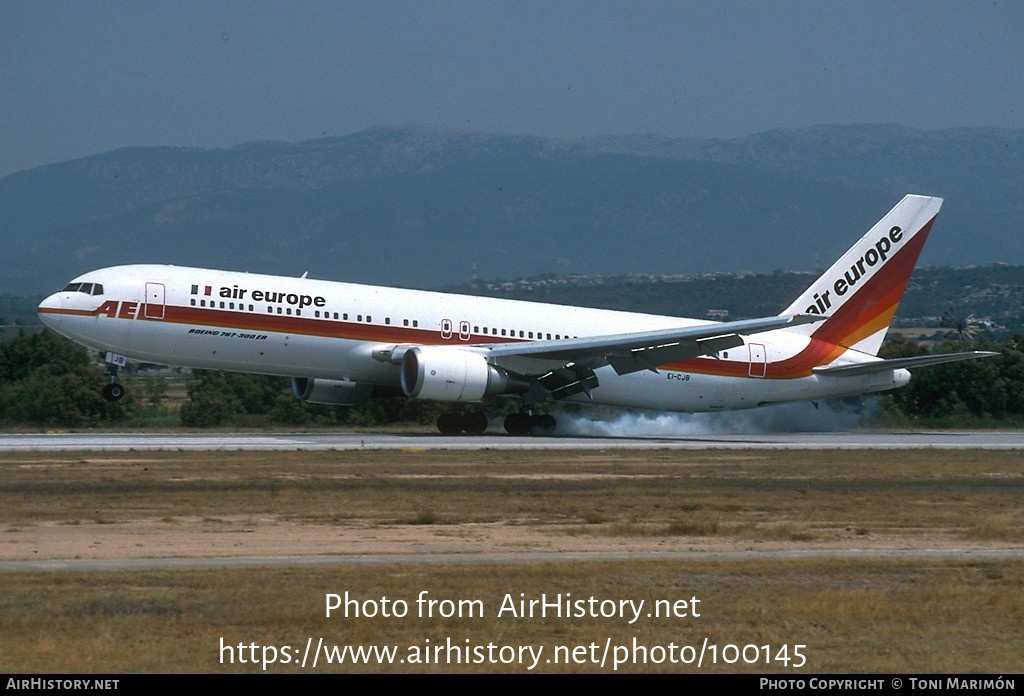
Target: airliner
{"type": "Point", "coordinates": [342, 343]}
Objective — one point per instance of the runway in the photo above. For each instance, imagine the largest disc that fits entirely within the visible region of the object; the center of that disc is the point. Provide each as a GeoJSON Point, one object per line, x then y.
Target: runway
{"type": "Point", "coordinates": [124, 442]}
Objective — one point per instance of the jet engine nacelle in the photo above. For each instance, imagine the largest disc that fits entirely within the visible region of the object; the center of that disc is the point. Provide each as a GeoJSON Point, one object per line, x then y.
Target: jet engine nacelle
{"type": "Point", "coordinates": [450, 374]}
{"type": "Point", "coordinates": [331, 391]}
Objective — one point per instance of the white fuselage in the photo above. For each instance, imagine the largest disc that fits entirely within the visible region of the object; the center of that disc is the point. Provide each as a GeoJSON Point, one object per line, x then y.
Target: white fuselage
{"type": "Point", "coordinates": [299, 327]}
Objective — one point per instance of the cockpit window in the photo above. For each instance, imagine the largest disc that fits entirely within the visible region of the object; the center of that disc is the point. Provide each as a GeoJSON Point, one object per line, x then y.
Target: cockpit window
{"type": "Point", "coordinates": [87, 288]}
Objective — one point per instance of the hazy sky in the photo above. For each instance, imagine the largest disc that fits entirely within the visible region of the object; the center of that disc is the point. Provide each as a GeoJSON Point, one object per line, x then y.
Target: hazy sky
{"type": "Point", "coordinates": [80, 78]}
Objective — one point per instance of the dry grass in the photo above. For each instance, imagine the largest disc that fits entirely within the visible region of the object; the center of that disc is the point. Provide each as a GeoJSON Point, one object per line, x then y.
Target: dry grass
{"type": "Point", "coordinates": [880, 616]}
{"type": "Point", "coordinates": [797, 496]}
{"type": "Point", "coordinates": [902, 616]}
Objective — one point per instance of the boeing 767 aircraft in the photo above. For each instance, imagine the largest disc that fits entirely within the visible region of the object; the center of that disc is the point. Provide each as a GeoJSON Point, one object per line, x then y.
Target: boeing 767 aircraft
{"type": "Point", "coordinates": [343, 343]}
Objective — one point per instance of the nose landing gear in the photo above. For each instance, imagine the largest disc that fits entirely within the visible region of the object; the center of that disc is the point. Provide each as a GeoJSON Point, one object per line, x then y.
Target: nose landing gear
{"type": "Point", "coordinates": [113, 391]}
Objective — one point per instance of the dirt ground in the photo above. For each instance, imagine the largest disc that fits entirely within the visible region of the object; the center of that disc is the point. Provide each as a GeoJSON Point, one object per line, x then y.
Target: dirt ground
{"type": "Point", "coordinates": [67, 507]}
{"type": "Point", "coordinates": [195, 538]}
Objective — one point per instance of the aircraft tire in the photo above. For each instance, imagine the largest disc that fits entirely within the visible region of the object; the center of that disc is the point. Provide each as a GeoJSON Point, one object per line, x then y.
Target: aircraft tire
{"type": "Point", "coordinates": [544, 424]}
{"type": "Point", "coordinates": [450, 423]}
{"type": "Point", "coordinates": [517, 424]}
{"type": "Point", "coordinates": [475, 422]}
{"type": "Point", "coordinates": [113, 392]}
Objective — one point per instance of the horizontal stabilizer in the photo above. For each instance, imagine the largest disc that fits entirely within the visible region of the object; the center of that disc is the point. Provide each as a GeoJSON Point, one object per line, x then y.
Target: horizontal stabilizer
{"type": "Point", "coordinates": [900, 363]}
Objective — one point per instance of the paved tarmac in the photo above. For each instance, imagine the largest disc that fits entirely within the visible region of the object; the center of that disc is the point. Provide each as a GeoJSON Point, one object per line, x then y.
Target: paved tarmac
{"type": "Point", "coordinates": [123, 442]}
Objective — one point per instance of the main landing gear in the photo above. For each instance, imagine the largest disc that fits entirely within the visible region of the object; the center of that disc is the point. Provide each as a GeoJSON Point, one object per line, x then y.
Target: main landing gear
{"type": "Point", "coordinates": [455, 422]}
{"type": "Point", "coordinates": [522, 423]}
{"type": "Point", "coordinates": [525, 423]}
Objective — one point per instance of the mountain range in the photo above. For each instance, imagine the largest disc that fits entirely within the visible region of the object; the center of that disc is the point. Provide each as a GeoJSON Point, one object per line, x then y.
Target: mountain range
{"type": "Point", "coordinates": [425, 208]}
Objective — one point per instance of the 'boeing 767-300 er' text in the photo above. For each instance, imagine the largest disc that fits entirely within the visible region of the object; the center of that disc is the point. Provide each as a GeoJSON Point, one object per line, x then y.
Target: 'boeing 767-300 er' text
{"type": "Point", "coordinates": [345, 344]}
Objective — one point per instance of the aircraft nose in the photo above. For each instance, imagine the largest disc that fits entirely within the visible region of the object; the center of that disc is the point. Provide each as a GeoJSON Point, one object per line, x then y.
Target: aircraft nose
{"type": "Point", "coordinates": [49, 310]}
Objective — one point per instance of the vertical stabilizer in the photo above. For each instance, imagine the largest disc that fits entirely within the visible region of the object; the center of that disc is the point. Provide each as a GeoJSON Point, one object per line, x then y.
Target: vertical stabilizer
{"type": "Point", "coordinates": [860, 292]}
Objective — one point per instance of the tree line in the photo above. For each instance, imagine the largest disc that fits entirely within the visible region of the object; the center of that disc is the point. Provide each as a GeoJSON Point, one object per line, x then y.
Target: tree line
{"type": "Point", "coordinates": [47, 381]}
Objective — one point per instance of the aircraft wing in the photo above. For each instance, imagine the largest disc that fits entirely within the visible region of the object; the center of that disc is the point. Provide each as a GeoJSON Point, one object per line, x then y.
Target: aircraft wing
{"type": "Point", "coordinates": [632, 352]}
{"type": "Point", "coordinates": [900, 363]}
